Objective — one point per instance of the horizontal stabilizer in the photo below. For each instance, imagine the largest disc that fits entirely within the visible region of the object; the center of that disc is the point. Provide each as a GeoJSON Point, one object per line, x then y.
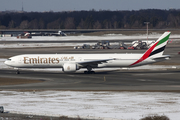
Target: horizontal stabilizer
{"type": "Point", "coordinates": [162, 57]}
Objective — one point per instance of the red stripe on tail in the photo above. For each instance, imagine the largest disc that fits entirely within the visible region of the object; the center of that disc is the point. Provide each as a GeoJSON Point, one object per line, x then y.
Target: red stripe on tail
{"type": "Point", "coordinates": [146, 55]}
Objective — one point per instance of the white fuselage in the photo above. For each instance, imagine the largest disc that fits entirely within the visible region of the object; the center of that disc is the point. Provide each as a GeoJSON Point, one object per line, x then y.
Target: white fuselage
{"type": "Point", "coordinates": [58, 60]}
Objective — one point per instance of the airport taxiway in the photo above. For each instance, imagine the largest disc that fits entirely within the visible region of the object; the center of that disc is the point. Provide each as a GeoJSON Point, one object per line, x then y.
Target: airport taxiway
{"type": "Point", "coordinates": [130, 80]}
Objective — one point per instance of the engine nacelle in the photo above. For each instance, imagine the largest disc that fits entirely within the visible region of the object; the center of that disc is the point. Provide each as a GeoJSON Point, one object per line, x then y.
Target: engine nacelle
{"type": "Point", "coordinates": [70, 67]}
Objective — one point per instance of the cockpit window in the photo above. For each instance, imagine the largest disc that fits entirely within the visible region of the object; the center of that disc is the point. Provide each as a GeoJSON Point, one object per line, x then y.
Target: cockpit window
{"type": "Point", "coordinates": [9, 59]}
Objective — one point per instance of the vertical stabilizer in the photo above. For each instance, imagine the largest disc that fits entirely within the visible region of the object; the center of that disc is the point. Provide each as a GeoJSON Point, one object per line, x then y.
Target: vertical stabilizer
{"type": "Point", "coordinates": [157, 49]}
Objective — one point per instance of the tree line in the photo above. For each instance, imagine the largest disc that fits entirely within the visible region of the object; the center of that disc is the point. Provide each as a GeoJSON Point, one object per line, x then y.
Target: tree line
{"type": "Point", "coordinates": [158, 19]}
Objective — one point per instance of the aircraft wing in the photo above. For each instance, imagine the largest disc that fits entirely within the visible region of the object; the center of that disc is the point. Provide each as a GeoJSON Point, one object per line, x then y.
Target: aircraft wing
{"type": "Point", "coordinates": [93, 62]}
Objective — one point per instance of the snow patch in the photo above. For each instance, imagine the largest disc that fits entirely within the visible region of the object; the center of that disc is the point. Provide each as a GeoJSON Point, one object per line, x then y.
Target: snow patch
{"type": "Point", "coordinates": [84, 38]}
{"type": "Point", "coordinates": [94, 105]}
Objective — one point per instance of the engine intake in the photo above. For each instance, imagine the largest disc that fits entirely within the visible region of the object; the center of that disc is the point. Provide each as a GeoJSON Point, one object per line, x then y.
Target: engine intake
{"type": "Point", "coordinates": [70, 67]}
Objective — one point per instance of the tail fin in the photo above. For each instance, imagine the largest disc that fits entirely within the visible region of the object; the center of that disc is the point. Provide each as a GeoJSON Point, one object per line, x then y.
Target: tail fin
{"type": "Point", "coordinates": [157, 49]}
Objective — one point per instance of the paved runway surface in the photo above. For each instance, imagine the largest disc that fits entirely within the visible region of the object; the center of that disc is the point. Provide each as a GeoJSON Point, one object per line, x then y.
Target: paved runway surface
{"type": "Point", "coordinates": [160, 80]}
{"type": "Point", "coordinates": [139, 80]}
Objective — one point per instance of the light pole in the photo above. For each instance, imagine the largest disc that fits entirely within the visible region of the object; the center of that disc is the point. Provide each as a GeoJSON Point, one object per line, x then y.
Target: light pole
{"type": "Point", "coordinates": [147, 30]}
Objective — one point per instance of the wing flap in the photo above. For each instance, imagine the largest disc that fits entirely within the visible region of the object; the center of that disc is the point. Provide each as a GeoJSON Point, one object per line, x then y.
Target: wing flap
{"type": "Point", "coordinates": [93, 62]}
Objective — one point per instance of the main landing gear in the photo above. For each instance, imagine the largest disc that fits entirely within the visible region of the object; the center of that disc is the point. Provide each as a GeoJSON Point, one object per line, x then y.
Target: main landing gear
{"type": "Point", "coordinates": [17, 71]}
{"type": "Point", "coordinates": [89, 68]}
{"type": "Point", "coordinates": [89, 72]}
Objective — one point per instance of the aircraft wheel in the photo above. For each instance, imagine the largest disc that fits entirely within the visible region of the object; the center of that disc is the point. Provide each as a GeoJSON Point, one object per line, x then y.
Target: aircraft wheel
{"type": "Point", "coordinates": [92, 72]}
{"type": "Point", "coordinates": [89, 72]}
{"type": "Point", "coordinates": [17, 72]}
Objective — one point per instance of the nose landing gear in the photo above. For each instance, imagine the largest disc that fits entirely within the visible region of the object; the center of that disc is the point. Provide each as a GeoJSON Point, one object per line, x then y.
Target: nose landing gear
{"type": "Point", "coordinates": [17, 70]}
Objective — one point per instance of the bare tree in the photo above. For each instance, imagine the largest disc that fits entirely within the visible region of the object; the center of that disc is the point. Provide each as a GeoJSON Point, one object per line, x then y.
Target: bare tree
{"type": "Point", "coordinates": [33, 24]}
{"type": "Point", "coordinates": [81, 24]}
{"type": "Point", "coordinates": [54, 25]}
{"type": "Point", "coordinates": [24, 24]}
{"type": "Point", "coordinates": [69, 23]}
{"type": "Point", "coordinates": [41, 24]}
{"type": "Point", "coordinates": [97, 25]}
{"type": "Point", "coordinates": [11, 24]}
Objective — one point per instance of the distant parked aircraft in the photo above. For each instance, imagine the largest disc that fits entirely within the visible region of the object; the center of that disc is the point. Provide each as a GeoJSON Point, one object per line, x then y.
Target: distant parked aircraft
{"type": "Point", "coordinates": [60, 33]}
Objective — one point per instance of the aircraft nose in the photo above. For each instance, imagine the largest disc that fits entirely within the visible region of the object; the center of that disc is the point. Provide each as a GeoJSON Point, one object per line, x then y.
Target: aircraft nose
{"type": "Point", "coordinates": [6, 62]}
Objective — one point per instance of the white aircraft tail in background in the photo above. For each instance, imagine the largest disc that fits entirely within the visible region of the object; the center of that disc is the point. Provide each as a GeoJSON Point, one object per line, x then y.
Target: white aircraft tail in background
{"type": "Point", "coordinates": [73, 62]}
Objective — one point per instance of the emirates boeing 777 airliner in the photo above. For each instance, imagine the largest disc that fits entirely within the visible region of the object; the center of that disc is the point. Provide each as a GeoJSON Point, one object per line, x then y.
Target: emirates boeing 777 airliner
{"type": "Point", "coordinates": [73, 62]}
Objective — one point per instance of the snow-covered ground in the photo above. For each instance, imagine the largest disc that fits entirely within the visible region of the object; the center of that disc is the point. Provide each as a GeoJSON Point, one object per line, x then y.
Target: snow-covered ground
{"type": "Point", "coordinates": [95, 105]}
{"type": "Point", "coordinates": [83, 38]}
{"type": "Point", "coordinates": [35, 45]}
{"type": "Point", "coordinates": [108, 37]}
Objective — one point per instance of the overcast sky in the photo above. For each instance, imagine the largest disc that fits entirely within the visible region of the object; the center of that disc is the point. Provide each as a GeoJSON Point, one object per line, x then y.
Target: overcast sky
{"type": "Point", "coordinates": [70, 5]}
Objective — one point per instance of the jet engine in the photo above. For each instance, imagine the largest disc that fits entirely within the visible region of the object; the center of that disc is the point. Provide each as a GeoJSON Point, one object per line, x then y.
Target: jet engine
{"type": "Point", "coordinates": [70, 67]}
